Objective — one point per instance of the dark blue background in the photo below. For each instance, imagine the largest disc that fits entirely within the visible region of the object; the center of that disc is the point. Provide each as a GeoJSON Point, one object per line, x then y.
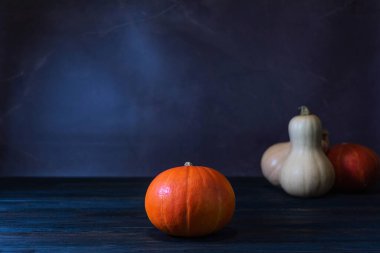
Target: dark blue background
{"type": "Point", "coordinates": [130, 88]}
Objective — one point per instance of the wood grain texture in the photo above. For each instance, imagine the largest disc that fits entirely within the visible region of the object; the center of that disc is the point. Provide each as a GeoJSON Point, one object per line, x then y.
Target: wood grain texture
{"type": "Point", "coordinates": [107, 215]}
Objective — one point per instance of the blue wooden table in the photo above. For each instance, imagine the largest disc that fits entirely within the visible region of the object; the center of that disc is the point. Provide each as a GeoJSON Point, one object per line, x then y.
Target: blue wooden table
{"type": "Point", "coordinates": [107, 215]}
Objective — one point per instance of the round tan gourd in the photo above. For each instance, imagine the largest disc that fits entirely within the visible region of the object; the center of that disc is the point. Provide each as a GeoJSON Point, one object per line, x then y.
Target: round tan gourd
{"type": "Point", "coordinates": [307, 172]}
{"type": "Point", "coordinates": [272, 161]}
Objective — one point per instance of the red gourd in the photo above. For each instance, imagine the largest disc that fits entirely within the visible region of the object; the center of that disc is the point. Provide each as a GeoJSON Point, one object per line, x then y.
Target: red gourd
{"type": "Point", "coordinates": [356, 166]}
{"type": "Point", "coordinates": [190, 201]}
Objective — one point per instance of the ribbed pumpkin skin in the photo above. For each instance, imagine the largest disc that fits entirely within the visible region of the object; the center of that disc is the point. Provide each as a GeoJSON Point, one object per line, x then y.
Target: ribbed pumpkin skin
{"type": "Point", "coordinates": [190, 201]}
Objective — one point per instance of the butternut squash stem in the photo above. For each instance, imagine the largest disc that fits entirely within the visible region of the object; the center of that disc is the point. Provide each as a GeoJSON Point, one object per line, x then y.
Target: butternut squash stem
{"type": "Point", "coordinates": [304, 110]}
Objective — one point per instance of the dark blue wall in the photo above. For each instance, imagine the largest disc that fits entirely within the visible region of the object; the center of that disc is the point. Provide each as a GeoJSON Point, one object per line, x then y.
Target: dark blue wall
{"type": "Point", "coordinates": [132, 87]}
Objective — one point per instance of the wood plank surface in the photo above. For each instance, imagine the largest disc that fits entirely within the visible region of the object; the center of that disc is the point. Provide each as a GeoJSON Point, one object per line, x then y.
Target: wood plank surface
{"type": "Point", "coordinates": [107, 215]}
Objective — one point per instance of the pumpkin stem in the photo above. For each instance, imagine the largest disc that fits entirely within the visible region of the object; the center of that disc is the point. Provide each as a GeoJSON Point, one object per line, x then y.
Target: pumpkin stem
{"type": "Point", "coordinates": [304, 110]}
{"type": "Point", "coordinates": [325, 134]}
{"type": "Point", "coordinates": [188, 164]}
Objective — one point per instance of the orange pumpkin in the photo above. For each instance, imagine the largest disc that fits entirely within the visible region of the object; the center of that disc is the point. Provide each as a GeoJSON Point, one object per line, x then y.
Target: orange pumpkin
{"type": "Point", "coordinates": [190, 201]}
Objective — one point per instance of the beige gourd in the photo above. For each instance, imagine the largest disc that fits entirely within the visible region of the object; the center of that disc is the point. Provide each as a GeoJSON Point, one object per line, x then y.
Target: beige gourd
{"type": "Point", "coordinates": [272, 161]}
{"type": "Point", "coordinates": [274, 157]}
{"type": "Point", "coordinates": [306, 172]}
